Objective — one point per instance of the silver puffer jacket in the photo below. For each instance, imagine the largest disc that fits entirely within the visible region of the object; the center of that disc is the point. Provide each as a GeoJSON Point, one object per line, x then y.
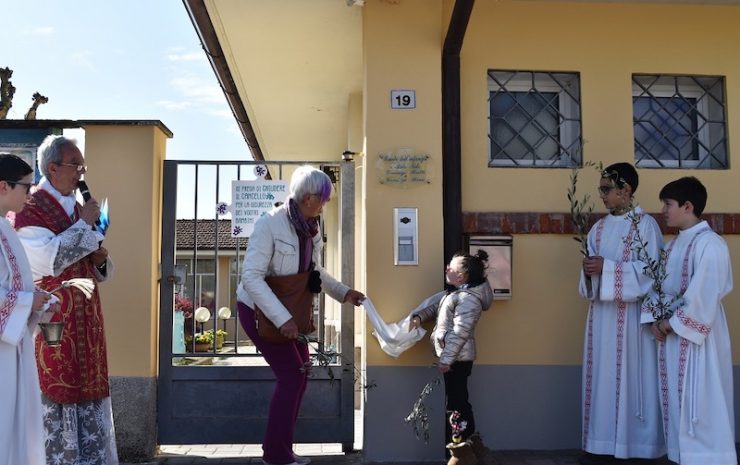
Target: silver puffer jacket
{"type": "Point", "coordinates": [457, 313]}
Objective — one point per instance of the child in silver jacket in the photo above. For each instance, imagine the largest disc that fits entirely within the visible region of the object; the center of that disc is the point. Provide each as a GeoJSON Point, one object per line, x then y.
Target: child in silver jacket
{"type": "Point", "coordinates": [457, 311]}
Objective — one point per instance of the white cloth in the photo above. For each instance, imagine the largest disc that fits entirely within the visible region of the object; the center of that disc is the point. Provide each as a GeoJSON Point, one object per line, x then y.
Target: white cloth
{"type": "Point", "coordinates": [43, 247]}
{"type": "Point", "coordinates": [82, 433]}
{"type": "Point", "coordinates": [394, 338]}
{"type": "Point", "coordinates": [696, 360]}
{"type": "Point", "coordinates": [273, 250]}
{"type": "Point", "coordinates": [621, 414]}
{"type": "Point", "coordinates": [21, 427]}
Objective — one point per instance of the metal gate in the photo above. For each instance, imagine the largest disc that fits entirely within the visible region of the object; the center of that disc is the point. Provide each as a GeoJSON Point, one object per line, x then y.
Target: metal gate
{"type": "Point", "coordinates": [222, 395]}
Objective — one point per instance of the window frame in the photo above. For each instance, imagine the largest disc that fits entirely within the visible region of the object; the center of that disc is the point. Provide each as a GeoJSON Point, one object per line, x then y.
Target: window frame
{"type": "Point", "coordinates": [568, 106]}
{"type": "Point", "coordinates": [703, 136]}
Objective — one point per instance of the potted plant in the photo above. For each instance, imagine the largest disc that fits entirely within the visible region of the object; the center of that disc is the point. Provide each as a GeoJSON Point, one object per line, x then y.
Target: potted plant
{"type": "Point", "coordinates": [203, 341]}
{"type": "Point", "coordinates": [219, 337]}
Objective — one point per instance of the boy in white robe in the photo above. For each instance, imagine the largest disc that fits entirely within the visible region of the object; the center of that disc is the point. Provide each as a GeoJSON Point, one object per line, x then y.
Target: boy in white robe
{"type": "Point", "coordinates": [621, 416]}
{"type": "Point", "coordinates": [694, 355]}
{"type": "Point", "coordinates": [21, 427]}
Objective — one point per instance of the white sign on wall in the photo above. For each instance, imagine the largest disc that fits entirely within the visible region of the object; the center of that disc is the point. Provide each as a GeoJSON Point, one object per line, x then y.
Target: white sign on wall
{"type": "Point", "coordinates": [251, 200]}
{"type": "Point", "coordinates": [403, 99]}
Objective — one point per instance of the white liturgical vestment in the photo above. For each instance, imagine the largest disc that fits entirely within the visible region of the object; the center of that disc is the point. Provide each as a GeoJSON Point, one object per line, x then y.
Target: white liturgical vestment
{"type": "Point", "coordinates": [621, 413]}
{"type": "Point", "coordinates": [21, 426]}
{"type": "Point", "coordinates": [695, 362]}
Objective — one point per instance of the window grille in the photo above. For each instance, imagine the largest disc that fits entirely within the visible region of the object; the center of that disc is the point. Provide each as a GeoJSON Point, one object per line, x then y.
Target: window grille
{"type": "Point", "coordinates": [679, 122]}
{"type": "Point", "coordinates": [534, 119]}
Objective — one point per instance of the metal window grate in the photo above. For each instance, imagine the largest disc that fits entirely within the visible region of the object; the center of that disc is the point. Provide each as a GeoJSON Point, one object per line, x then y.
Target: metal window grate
{"type": "Point", "coordinates": [679, 121]}
{"type": "Point", "coordinates": [534, 119]}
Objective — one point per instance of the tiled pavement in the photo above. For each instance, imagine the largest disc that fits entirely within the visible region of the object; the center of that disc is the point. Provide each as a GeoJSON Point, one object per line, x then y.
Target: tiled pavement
{"type": "Point", "coordinates": [330, 454]}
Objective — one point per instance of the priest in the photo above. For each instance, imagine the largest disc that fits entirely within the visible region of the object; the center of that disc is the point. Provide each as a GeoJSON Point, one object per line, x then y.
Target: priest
{"type": "Point", "coordinates": [62, 242]}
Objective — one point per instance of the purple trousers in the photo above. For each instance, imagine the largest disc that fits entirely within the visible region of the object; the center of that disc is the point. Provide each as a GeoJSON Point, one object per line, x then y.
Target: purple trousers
{"type": "Point", "coordinates": [288, 363]}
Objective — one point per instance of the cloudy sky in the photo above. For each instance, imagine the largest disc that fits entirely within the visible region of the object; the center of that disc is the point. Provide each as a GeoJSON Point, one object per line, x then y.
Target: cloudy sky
{"type": "Point", "coordinates": [119, 59]}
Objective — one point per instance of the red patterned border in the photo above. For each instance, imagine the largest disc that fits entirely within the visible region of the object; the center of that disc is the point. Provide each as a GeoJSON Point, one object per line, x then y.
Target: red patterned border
{"type": "Point", "coordinates": [682, 354]}
{"type": "Point", "coordinates": [12, 296]}
{"type": "Point", "coordinates": [621, 311]}
{"type": "Point", "coordinates": [663, 371]}
{"type": "Point", "coordinates": [693, 324]}
{"type": "Point", "coordinates": [589, 374]}
{"type": "Point", "coordinates": [599, 231]}
{"type": "Point", "coordinates": [560, 223]}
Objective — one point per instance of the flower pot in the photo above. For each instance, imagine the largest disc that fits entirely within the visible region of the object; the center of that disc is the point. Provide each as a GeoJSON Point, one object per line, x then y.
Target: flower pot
{"type": "Point", "coordinates": [202, 347]}
{"type": "Point", "coordinates": [219, 341]}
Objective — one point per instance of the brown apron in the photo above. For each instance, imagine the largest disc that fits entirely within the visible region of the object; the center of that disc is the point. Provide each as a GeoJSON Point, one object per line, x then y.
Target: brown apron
{"type": "Point", "coordinates": [293, 292]}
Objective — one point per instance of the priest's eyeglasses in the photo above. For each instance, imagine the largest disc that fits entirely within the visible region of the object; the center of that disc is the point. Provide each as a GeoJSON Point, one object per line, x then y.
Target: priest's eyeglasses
{"type": "Point", "coordinates": [78, 168]}
{"type": "Point", "coordinates": [27, 185]}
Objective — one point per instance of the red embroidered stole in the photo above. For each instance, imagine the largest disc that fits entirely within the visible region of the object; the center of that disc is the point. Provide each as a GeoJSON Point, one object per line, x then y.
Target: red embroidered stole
{"type": "Point", "coordinates": [77, 369]}
{"type": "Point", "coordinates": [11, 298]}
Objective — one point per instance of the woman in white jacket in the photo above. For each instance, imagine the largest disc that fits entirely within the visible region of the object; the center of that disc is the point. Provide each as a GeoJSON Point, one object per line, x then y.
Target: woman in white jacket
{"type": "Point", "coordinates": [286, 242]}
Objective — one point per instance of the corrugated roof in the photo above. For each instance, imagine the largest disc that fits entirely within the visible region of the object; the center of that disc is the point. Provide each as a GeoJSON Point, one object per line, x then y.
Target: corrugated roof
{"type": "Point", "coordinates": [186, 236]}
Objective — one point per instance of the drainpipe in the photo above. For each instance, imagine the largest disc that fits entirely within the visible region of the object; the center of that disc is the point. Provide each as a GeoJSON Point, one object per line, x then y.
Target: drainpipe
{"type": "Point", "coordinates": [451, 134]}
{"type": "Point", "coordinates": [208, 38]}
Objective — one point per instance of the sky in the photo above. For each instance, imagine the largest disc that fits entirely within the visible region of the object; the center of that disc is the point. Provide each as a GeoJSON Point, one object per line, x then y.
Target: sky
{"type": "Point", "coordinates": [119, 59]}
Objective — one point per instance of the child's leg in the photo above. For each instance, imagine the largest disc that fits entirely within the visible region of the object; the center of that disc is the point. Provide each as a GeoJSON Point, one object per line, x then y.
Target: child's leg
{"type": "Point", "coordinates": [456, 391]}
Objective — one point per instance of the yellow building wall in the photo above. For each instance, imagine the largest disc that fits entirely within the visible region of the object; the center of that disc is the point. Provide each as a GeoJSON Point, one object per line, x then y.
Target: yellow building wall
{"type": "Point", "coordinates": [402, 51]}
{"type": "Point", "coordinates": [125, 166]}
{"type": "Point", "coordinates": [606, 43]}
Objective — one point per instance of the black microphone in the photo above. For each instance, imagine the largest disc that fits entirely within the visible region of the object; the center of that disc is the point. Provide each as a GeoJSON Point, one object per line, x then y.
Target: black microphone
{"type": "Point", "coordinates": [85, 191]}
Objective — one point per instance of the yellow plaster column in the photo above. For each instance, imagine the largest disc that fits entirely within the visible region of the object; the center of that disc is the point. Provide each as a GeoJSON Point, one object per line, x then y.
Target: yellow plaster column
{"type": "Point", "coordinates": [402, 50]}
{"type": "Point", "coordinates": [125, 165]}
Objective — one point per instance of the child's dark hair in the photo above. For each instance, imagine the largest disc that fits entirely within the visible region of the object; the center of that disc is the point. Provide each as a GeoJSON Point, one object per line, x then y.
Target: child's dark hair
{"type": "Point", "coordinates": [686, 189]}
{"type": "Point", "coordinates": [13, 168]}
{"type": "Point", "coordinates": [621, 173]}
{"type": "Point", "coordinates": [474, 266]}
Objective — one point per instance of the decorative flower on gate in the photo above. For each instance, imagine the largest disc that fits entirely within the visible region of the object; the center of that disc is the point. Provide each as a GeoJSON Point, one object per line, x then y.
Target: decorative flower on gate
{"type": "Point", "coordinates": [222, 208]}
{"type": "Point", "coordinates": [260, 171]}
{"type": "Point", "coordinates": [237, 230]}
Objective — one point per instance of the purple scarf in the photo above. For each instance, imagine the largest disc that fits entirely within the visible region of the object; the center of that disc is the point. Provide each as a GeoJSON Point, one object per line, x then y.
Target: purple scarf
{"type": "Point", "coordinates": [306, 230]}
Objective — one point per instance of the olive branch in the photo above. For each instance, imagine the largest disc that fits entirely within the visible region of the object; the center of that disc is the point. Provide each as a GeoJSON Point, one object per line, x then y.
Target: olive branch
{"type": "Point", "coordinates": [327, 359]}
{"type": "Point", "coordinates": [660, 306]}
{"type": "Point", "coordinates": [419, 415]}
{"type": "Point", "coordinates": [581, 209]}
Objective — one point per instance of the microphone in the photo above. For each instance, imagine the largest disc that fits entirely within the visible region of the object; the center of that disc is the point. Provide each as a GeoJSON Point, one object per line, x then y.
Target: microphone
{"type": "Point", "coordinates": [86, 196]}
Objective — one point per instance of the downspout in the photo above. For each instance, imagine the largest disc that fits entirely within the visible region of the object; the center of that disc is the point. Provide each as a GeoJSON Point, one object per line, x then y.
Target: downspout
{"type": "Point", "coordinates": [209, 40]}
{"type": "Point", "coordinates": [451, 132]}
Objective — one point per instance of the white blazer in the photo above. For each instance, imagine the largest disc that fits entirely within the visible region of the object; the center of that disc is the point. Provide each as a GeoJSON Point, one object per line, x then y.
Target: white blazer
{"type": "Point", "coordinates": [273, 250]}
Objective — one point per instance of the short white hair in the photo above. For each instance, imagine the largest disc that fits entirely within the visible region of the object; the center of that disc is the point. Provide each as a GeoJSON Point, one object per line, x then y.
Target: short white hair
{"type": "Point", "coordinates": [309, 180]}
{"type": "Point", "coordinates": [50, 151]}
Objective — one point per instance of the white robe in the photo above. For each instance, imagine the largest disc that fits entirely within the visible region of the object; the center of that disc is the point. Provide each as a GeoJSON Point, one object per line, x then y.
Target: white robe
{"type": "Point", "coordinates": [621, 414]}
{"type": "Point", "coordinates": [21, 427]}
{"type": "Point", "coordinates": [695, 362]}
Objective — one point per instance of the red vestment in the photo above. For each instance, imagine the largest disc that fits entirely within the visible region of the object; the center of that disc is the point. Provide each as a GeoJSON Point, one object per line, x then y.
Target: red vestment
{"type": "Point", "coordinates": [77, 369]}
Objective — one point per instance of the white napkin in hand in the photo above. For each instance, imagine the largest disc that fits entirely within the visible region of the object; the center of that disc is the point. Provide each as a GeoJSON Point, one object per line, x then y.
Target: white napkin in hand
{"type": "Point", "coordinates": [394, 338]}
